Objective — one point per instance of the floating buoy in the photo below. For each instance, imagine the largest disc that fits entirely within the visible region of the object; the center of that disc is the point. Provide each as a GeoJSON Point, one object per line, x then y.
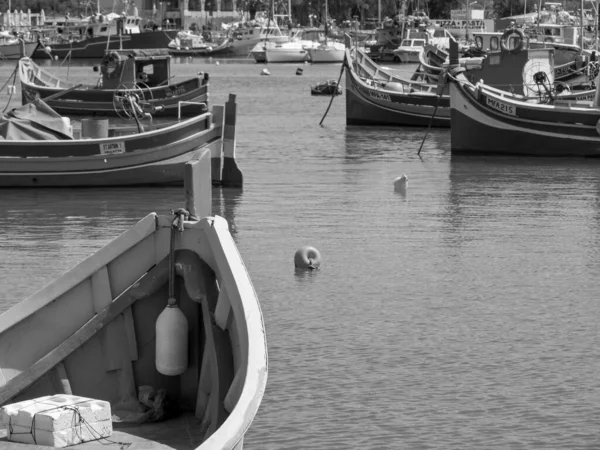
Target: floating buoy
{"type": "Point", "coordinates": [307, 258]}
{"type": "Point", "coordinates": [400, 184]}
{"type": "Point", "coordinates": [48, 49]}
{"type": "Point", "coordinates": [209, 49]}
{"type": "Point", "coordinates": [217, 63]}
{"type": "Point", "coordinates": [265, 71]}
{"type": "Point", "coordinates": [11, 89]}
{"type": "Point", "coordinates": [299, 71]}
{"type": "Point", "coordinates": [171, 341]}
{"type": "Point", "coordinates": [55, 57]}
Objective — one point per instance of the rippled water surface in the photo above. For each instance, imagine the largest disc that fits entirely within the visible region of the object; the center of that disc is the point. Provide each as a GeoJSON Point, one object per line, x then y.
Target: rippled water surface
{"type": "Point", "coordinates": [463, 314]}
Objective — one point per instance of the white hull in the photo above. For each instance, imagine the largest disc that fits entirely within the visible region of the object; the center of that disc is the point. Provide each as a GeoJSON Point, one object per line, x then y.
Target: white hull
{"type": "Point", "coordinates": [326, 55]}
{"type": "Point", "coordinates": [289, 55]}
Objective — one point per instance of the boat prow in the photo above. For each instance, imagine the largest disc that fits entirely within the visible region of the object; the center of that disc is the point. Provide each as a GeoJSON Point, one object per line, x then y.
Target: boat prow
{"type": "Point", "coordinates": [95, 333]}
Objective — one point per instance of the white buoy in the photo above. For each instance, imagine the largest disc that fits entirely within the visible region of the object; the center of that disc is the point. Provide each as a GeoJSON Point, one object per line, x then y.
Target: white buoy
{"type": "Point", "coordinates": [171, 341]}
{"type": "Point", "coordinates": [400, 184]}
{"type": "Point", "coordinates": [265, 71]}
{"type": "Point", "coordinates": [217, 63]}
{"type": "Point", "coordinates": [307, 257]}
{"type": "Point", "coordinates": [48, 49]}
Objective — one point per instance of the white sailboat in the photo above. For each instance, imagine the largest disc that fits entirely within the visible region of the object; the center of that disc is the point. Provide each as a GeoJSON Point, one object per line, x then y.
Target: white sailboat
{"type": "Point", "coordinates": [328, 51]}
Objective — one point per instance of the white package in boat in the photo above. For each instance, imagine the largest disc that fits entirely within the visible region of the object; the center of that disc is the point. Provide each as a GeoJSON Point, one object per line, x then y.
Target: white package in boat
{"type": "Point", "coordinates": [57, 420]}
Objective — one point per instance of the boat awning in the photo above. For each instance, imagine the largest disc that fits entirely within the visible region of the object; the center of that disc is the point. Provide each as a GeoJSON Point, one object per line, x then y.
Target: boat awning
{"type": "Point", "coordinates": [35, 121]}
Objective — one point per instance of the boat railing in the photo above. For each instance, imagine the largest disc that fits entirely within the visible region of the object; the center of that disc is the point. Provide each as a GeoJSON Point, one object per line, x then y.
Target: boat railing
{"type": "Point", "coordinates": [367, 68]}
{"type": "Point", "coordinates": [187, 102]}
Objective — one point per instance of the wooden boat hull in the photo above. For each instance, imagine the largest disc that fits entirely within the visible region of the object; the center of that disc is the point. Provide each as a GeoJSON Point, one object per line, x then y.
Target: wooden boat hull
{"type": "Point", "coordinates": [95, 48]}
{"type": "Point", "coordinates": [92, 101]}
{"type": "Point", "coordinates": [92, 332]}
{"type": "Point", "coordinates": [485, 123]}
{"type": "Point", "coordinates": [376, 97]}
{"type": "Point", "coordinates": [369, 106]}
{"type": "Point", "coordinates": [154, 157]}
{"type": "Point", "coordinates": [13, 51]}
{"type": "Point", "coordinates": [220, 49]}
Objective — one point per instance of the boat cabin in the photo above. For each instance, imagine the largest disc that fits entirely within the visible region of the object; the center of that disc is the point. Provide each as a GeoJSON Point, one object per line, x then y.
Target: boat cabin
{"type": "Point", "coordinates": [487, 41]}
{"type": "Point", "coordinates": [550, 32]}
{"type": "Point", "coordinates": [413, 43]}
{"type": "Point", "coordinates": [128, 68]}
{"type": "Point", "coordinates": [98, 26]}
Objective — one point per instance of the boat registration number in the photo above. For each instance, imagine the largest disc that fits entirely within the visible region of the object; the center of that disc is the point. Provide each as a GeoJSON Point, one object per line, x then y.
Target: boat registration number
{"type": "Point", "coordinates": [380, 96]}
{"type": "Point", "coordinates": [114, 148]}
{"type": "Point", "coordinates": [502, 107]}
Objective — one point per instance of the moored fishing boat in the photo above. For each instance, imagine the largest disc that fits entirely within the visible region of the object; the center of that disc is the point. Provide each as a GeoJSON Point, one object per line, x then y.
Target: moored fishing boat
{"type": "Point", "coordinates": [377, 96]}
{"type": "Point", "coordinates": [41, 148]}
{"type": "Point", "coordinates": [146, 73]}
{"type": "Point", "coordinates": [91, 39]}
{"type": "Point", "coordinates": [190, 44]}
{"type": "Point", "coordinates": [487, 120]}
{"type": "Point", "coordinates": [160, 333]}
{"type": "Point", "coordinates": [570, 68]}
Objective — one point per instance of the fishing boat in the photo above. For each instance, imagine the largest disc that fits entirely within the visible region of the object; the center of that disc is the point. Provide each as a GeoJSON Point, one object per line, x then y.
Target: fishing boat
{"type": "Point", "coordinates": [409, 50]}
{"type": "Point", "coordinates": [244, 36]}
{"type": "Point", "coordinates": [146, 73]}
{"type": "Point", "coordinates": [189, 44]}
{"type": "Point", "coordinates": [41, 148]}
{"type": "Point", "coordinates": [329, 87]}
{"type": "Point", "coordinates": [378, 96]}
{"type": "Point", "coordinates": [571, 69]}
{"type": "Point", "coordinates": [293, 51]}
{"type": "Point", "coordinates": [92, 38]}
{"type": "Point", "coordinates": [156, 341]}
{"type": "Point", "coordinates": [489, 120]}
{"type": "Point", "coordinates": [13, 47]}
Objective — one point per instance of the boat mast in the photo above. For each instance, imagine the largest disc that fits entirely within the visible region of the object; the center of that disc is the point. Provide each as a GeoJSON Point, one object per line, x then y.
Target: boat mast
{"type": "Point", "coordinates": [326, 26]}
{"type": "Point", "coordinates": [581, 28]}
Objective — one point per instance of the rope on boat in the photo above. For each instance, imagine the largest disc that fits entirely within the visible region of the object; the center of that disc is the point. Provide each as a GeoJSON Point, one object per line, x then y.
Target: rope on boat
{"type": "Point", "coordinates": [77, 422]}
{"type": "Point", "coordinates": [181, 215]}
{"type": "Point", "coordinates": [437, 103]}
{"type": "Point", "coordinates": [14, 78]}
{"type": "Point", "coordinates": [334, 92]}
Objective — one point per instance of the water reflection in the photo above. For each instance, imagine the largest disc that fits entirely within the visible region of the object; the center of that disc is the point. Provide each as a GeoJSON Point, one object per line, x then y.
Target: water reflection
{"type": "Point", "coordinates": [366, 143]}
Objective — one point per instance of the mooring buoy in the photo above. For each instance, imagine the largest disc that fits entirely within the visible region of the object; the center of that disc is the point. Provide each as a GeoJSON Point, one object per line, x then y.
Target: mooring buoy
{"type": "Point", "coordinates": [401, 183]}
{"type": "Point", "coordinates": [307, 257]}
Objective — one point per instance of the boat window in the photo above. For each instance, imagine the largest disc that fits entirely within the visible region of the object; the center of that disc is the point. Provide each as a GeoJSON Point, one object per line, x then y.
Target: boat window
{"type": "Point", "coordinates": [494, 43]}
{"type": "Point", "coordinates": [103, 29]}
{"type": "Point", "coordinates": [479, 42]}
{"type": "Point", "coordinates": [419, 43]}
{"type": "Point", "coordinates": [405, 43]}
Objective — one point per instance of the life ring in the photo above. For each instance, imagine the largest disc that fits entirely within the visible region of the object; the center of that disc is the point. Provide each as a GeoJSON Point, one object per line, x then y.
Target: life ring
{"type": "Point", "coordinates": [113, 58]}
{"type": "Point", "coordinates": [504, 40]}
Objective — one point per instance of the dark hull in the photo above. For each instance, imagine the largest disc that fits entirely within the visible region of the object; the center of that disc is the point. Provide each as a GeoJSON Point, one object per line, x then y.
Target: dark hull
{"type": "Point", "coordinates": [366, 106]}
{"type": "Point", "coordinates": [532, 130]}
{"type": "Point", "coordinates": [96, 47]}
{"type": "Point", "coordinates": [99, 102]}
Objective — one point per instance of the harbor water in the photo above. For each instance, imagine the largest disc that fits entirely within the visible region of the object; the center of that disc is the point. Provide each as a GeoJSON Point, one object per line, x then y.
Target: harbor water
{"type": "Point", "coordinates": [461, 315]}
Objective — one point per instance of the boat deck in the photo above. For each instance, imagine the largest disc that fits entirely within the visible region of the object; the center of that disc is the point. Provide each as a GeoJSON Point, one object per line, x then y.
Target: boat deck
{"type": "Point", "coordinates": [180, 433]}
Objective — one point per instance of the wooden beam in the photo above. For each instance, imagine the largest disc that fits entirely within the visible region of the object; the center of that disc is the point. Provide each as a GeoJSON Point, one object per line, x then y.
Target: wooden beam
{"type": "Point", "coordinates": [198, 186]}
{"type": "Point", "coordinates": [85, 269]}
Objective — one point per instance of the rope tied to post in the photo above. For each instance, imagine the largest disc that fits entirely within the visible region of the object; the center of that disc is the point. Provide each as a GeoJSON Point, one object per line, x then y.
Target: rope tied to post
{"type": "Point", "coordinates": [181, 215]}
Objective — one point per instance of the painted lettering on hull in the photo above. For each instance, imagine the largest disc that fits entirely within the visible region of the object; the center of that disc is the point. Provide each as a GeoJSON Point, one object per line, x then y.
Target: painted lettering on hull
{"type": "Point", "coordinates": [501, 106]}
{"type": "Point", "coordinates": [114, 148]}
{"type": "Point", "coordinates": [380, 96]}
